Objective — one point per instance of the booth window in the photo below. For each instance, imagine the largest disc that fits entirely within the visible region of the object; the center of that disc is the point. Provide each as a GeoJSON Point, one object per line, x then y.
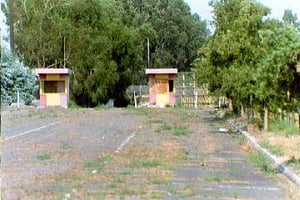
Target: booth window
{"type": "Point", "coordinates": [54, 86]}
{"type": "Point", "coordinates": [171, 85]}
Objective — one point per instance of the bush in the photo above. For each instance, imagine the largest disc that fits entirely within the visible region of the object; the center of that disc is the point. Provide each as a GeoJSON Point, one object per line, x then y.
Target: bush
{"type": "Point", "coordinates": [17, 77]}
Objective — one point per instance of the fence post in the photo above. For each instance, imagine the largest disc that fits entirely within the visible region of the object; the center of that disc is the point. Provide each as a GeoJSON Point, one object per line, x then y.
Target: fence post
{"type": "Point", "coordinates": [18, 99]}
{"type": "Point", "coordinates": [135, 102]}
{"type": "Point", "coordinates": [196, 99]}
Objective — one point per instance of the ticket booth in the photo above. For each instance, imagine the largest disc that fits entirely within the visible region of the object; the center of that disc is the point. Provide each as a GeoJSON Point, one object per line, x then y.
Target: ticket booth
{"type": "Point", "coordinates": [162, 86]}
{"type": "Point", "coordinates": [54, 87]}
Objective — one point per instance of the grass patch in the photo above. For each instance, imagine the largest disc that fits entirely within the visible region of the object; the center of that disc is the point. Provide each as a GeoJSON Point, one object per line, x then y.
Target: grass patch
{"type": "Point", "coordinates": [160, 181]}
{"type": "Point", "coordinates": [181, 131]}
{"type": "Point", "coordinates": [72, 105]}
{"type": "Point", "coordinates": [151, 163]}
{"type": "Point", "coordinates": [44, 156]}
{"type": "Point", "coordinates": [213, 179]}
{"type": "Point", "coordinates": [262, 163]}
{"type": "Point", "coordinates": [97, 164]}
{"type": "Point", "coordinates": [156, 121]}
{"type": "Point", "coordinates": [166, 127]}
{"type": "Point", "coordinates": [284, 127]}
{"type": "Point", "coordinates": [66, 146]}
{"type": "Point", "coordinates": [277, 150]}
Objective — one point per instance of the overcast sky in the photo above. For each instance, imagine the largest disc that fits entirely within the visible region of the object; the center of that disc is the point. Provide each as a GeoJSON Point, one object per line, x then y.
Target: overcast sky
{"type": "Point", "coordinates": [277, 7]}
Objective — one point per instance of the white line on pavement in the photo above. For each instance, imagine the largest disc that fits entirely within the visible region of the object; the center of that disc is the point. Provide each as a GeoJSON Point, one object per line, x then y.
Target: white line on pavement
{"type": "Point", "coordinates": [249, 188]}
{"type": "Point", "coordinates": [124, 143]}
{"type": "Point", "coordinates": [32, 130]}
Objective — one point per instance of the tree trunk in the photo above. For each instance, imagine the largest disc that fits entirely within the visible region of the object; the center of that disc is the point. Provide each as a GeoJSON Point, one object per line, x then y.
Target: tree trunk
{"type": "Point", "coordinates": [266, 121]}
{"type": "Point", "coordinates": [243, 114]}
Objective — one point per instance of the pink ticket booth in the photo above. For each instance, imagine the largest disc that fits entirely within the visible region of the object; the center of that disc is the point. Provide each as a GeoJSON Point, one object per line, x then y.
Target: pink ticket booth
{"type": "Point", "coordinates": [162, 86]}
{"type": "Point", "coordinates": [54, 87]}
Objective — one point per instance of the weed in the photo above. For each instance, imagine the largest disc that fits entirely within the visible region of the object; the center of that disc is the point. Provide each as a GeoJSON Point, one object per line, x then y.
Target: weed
{"type": "Point", "coordinates": [151, 163]}
{"type": "Point", "coordinates": [156, 195]}
{"type": "Point", "coordinates": [72, 105]}
{"type": "Point", "coordinates": [156, 121]}
{"type": "Point", "coordinates": [213, 179]}
{"type": "Point", "coordinates": [277, 150]}
{"type": "Point", "coordinates": [134, 164]}
{"type": "Point", "coordinates": [180, 130]}
{"type": "Point", "coordinates": [189, 192]}
{"type": "Point", "coordinates": [66, 146]}
{"type": "Point", "coordinates": [30, 113]}
{"type": "Point", "coordinates": [160, 182]}
{"type": "Point", "coordinates": [44, 156]}
{"type": "Point", "coordinates": [78, 181]}
{"type": "Point", "coordinates": [166, 127]}
{"type": "Point", "coordinates": [284, 127]}
{"type": "Point", "coordinates": [262, 163]}
{"type": "Point", "coordinates": [98, 163]}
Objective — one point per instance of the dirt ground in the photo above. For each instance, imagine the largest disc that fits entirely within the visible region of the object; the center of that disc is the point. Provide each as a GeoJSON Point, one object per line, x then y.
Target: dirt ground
{"type": "Point", "coordinates": [127, 154]}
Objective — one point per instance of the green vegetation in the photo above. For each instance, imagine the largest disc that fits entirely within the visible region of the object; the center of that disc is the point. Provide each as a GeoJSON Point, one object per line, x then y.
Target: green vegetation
{"type": "Point", "coordinates": [97, 164]}
{"type": "Point", "coordinates": [104, 42]}
{"type": "Point", "coordinates": [284, 127]}
{"type": "Point", "coordinates": [262, 163]}
{"type": "Point", "coordinates": [16, 77]}
{"type": "Point", "coordinates": [44, 156]}
{"type": "Point", "coordinates": [213, 179]}
{"type": "Point", "coordinates": [151, 163]}
{"type": "Point", "coordinates": [181, 131]}
{"type": "Point", "coordinates": [274, 149]}
{"type": "Point", "coordinates": [250, 59]}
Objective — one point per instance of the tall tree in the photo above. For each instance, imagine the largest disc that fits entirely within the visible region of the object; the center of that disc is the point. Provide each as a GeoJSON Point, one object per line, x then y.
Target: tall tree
{"type": "Point", "coordinates": [248, 59]}
{"type": "Point", "coordinates": [229, 58]}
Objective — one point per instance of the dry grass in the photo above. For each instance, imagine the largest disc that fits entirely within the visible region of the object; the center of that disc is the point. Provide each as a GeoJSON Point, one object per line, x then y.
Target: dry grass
{"type": "Point", "coordinates": [135, 172]}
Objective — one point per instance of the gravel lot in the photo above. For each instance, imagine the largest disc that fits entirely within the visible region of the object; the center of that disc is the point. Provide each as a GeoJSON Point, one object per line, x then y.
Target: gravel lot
{"type": "Point", "coordinates": [126, 154]}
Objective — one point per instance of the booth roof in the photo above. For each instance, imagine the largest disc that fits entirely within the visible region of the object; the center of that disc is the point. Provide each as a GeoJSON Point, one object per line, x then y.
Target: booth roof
{"type": "Point", "coordinates": [162, 71]}
{"type": "Point", "coordinates": [53, 71]}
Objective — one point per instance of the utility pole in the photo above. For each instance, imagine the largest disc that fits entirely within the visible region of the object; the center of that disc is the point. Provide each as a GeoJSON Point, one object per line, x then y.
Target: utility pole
{"type": "Point", "coordinates": [148, 53]}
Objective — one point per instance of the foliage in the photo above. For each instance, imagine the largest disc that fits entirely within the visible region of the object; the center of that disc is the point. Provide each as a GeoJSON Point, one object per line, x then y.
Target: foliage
{"type": "Point", "coordinates": [104, 42]}
{"type": "Point", "coordinates": [17, 78]}
{"type": "Point", "coordinates": [249, 58]}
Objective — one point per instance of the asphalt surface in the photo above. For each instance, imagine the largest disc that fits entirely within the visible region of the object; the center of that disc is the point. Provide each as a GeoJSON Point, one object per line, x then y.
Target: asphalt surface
{"type": "Point", "coordinates": [213, 165]}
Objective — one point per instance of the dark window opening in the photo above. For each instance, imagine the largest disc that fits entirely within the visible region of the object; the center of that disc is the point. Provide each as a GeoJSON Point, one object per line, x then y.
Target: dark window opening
{"type": "Point", "coordinates": [171, 85]}
{"type": "Point", "coordinates": [54, 86]}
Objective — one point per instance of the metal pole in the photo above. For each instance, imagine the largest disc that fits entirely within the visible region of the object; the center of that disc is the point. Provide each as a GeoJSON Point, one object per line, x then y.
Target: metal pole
{"type": "Point", "coordinates": [148, 53]}
{"type": "Point", "coordinates": [64, 52]}
{"type": "Point", "coordinates": [18, 99]}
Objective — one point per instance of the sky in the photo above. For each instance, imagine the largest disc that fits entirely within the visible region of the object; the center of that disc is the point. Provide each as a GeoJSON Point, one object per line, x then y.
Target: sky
{"type": "Point", "coordinates": [277, 7]}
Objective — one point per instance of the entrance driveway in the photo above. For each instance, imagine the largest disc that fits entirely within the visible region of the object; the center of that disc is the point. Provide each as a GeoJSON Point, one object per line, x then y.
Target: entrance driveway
{"type": "Point", "coordinates": [126, 154]}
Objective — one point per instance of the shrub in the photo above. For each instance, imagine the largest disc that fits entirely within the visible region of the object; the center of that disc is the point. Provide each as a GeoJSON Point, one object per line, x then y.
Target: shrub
{"type": "Point", "coordinates": [16, 77]}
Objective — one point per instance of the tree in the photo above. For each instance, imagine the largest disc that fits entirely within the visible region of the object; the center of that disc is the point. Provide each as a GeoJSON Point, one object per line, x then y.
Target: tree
{"type": "Point", "coordinates": [275, 73]}
{"type": "Point", "coordinates": [290, 18]}
{"type": "Point", "coordinates": [175, 34]}
{"type": "Point", "coordinates": [247, 59]}
{"type": "Point", "coordinates": [229, 58]}
{"type": "Point", "coordinates": [103, 41]}
{"type": "Point", "coordinates": [17, 78]}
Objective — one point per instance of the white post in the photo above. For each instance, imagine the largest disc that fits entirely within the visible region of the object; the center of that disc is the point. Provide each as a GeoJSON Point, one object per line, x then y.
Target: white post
{"type": "Point", "coordinates": [18, 99]}
{"type": "Point", "coordinates": [135, 102]}
{"type": "Point", "coordinates": [196, 99]}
